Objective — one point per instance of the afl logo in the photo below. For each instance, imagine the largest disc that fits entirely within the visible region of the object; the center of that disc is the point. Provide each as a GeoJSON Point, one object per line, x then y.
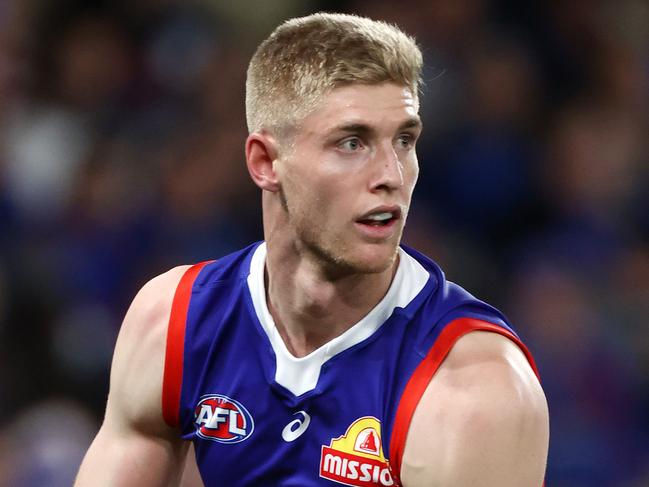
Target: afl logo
{"type": "Point", "coordinates": [220, 418]}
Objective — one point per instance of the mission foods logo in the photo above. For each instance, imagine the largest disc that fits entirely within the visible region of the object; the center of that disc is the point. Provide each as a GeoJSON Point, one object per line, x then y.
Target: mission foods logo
{"type": "Point", "coordinates": [220, 418]}
{"type": "Point", "coordinates": [356, 458]}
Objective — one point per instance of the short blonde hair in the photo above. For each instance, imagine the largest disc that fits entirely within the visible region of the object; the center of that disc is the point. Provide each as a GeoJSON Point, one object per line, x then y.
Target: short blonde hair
{"type": "Point", "coordinates": [304, 58]}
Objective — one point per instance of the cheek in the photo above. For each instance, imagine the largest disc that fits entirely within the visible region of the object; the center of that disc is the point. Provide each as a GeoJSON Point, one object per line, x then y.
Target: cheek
{"type": "Point", "coordinates": [415, 175]}
{"type": "Point", "coordinates": [411, 174]}
{"type": "Point", "coordinates": [306, 196]}
{"type": "Point", "coordinates": [296, 183]}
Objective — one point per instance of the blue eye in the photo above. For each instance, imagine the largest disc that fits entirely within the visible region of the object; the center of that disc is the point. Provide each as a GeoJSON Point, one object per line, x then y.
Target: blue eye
{"type": "Point", "coordinates": [351, 144]}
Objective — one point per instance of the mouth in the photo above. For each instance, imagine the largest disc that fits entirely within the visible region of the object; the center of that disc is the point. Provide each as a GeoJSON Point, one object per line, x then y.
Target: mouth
{"type": "Point", "coordinates": [380, 217]}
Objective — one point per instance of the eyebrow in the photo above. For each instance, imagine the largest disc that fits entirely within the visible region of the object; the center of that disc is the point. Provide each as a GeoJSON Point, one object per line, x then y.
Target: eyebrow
{"type": "Point", "coordinates": [414, 122]}
{"type": "Point", "coordinates": [364, 129]}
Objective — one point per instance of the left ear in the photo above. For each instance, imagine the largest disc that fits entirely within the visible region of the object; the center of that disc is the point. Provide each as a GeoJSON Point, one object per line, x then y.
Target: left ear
{"type": "Point", "coordinates": [261, 152]}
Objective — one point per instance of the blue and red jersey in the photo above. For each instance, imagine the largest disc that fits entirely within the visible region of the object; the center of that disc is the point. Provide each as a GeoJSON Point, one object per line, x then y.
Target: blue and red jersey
{"type": "Point", "coordinates": [260, 417]}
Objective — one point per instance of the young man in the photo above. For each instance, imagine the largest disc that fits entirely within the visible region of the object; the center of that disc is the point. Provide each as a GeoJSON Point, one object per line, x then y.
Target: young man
{"type": "Point", "coordinates": [327, 354]}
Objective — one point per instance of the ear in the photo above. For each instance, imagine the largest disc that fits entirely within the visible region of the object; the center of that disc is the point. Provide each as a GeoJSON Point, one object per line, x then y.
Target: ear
{"type": "Point", "coordinates": [261, 152]}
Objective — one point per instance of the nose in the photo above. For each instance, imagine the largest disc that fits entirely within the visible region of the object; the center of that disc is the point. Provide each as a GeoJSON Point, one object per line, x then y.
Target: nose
{"type": "Point", "coordinates": [388, 174]}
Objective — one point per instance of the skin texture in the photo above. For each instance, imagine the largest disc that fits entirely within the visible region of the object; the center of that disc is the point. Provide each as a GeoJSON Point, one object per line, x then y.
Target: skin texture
{"type": "Point", "coordinates": [483, 419]}
{"type": "Point", "coordinates": [352, 155]}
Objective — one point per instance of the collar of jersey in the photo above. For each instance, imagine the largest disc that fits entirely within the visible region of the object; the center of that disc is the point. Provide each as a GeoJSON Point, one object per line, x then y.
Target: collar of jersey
{"type": "Point", "coordinates": [300, 375]}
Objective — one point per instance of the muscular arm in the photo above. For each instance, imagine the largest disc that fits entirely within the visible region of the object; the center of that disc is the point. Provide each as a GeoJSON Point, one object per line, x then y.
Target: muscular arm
{"type": "Point", "coordinates": [134, 445]}
{"type": "Point", "coordinates": [482, 422]}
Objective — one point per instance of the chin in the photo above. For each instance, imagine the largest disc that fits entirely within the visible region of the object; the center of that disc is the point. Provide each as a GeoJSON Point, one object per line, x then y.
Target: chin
{"type": "Point", "coordinates": [343, 257]}
{"type": "Point", "coordinates": [372, 260]}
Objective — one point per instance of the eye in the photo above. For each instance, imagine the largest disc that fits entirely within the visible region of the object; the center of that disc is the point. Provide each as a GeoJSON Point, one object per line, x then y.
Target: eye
{"type": "Point", "coordinates": [351, 144]}
{"type": "Point", "coordinates": [406, 141]}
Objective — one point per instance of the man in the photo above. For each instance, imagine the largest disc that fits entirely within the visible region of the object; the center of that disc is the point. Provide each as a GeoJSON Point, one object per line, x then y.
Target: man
{"type": "Point", "coordinates": [327, 354]}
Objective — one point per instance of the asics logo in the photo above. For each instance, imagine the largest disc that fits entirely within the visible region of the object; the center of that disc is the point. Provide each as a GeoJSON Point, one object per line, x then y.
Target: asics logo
{"type": "Point", "coordinates": [295, 428]}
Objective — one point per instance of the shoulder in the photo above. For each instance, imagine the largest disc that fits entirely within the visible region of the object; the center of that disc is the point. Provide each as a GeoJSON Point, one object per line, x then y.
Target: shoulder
{"type": "Point", "coordinates": [485, 409]}
{"type": "Point", "coordinates": [145, 323]}
{"type": "Point", "coordinates": [153, 301]}
{"type": "Point", "coordinates": [492, 369]}
{"type": "Point", "coordinates": [138, 360]}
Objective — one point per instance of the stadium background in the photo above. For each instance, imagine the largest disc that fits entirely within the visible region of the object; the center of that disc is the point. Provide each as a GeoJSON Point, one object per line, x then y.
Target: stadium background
{"type": "Point", "coordinates": [121, 155]}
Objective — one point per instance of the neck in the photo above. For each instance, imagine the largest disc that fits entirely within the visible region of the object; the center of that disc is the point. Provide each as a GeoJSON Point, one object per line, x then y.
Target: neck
{"type": "Point", "coordinates": [310, 304]}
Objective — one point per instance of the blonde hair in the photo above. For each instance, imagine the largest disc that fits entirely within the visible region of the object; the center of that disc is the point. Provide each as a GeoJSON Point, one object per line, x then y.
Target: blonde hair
{"type": "Point", "coordinates": [304, 58]}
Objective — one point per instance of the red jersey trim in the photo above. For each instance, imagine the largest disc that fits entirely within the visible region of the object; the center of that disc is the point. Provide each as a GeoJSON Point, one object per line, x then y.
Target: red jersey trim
{"type": "Point", "coordinates": [173, 368]}
{"type": "Point", "coordinates": [425, 371]}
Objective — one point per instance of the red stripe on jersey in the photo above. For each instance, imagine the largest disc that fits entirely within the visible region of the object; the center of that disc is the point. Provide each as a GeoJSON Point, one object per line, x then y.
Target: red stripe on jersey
{"type": "Point", "coordinates": [173, 369]}
{"type": "Point", "coordinates": [424, 372]}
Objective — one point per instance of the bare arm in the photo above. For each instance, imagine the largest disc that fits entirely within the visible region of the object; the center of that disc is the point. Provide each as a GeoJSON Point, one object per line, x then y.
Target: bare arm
{"type": "Point", "coordinates": [134, 445]}
{"type": "Point", "coordinates": [482, 422]}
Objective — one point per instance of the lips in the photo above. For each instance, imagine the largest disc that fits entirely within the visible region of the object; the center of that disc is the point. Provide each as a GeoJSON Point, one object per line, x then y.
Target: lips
{"type": "Point", "coordinates": [379, 224]}
{"type": "Point", "coordinates": [380, 216]}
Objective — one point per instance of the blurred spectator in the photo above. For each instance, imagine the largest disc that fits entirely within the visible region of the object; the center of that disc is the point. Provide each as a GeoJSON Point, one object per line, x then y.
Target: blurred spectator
{"type": "Point", "coordinates": [481, 171]}
{"type": "Point", "coordinates": [44, 148]}
{"type": "Point", "coordinates": [592, 178]}
{"type": "Point", "coordinates": [591, 384]}
{"type": "Point", "coordinates": [44, 445]}
{"type": "Point", "coordinates": [203, 177]}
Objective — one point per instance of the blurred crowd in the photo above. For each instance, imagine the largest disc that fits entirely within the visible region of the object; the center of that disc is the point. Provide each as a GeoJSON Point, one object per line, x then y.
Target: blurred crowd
{"type": "Point", "coordinates": [121, 155]}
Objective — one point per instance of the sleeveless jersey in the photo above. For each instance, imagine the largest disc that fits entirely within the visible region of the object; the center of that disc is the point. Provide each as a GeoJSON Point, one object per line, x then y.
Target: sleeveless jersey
{"type": "Point", "coordinates": [260, 417]}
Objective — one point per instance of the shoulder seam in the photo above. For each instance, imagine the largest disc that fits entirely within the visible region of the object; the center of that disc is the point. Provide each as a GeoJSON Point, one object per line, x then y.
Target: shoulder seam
{"type": "Point", "coordinates": [425, 371]}
{"type": "Point", "coordinates": [175, 346]}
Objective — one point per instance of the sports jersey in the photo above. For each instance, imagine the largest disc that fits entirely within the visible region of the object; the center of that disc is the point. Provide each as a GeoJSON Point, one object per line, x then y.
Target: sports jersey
{"type": "Point", "coordinates": [259, 416]}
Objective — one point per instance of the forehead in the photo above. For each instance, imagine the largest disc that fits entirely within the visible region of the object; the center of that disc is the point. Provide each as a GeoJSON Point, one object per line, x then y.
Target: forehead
{"type": "Point", "coordinates": [384, 104]}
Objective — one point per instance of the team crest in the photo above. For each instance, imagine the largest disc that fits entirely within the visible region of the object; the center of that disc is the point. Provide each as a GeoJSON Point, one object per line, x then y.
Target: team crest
{"type": "Point", "coordinates": [222, 419]}
{"type": "Point", "coordinates": [356, 458]}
